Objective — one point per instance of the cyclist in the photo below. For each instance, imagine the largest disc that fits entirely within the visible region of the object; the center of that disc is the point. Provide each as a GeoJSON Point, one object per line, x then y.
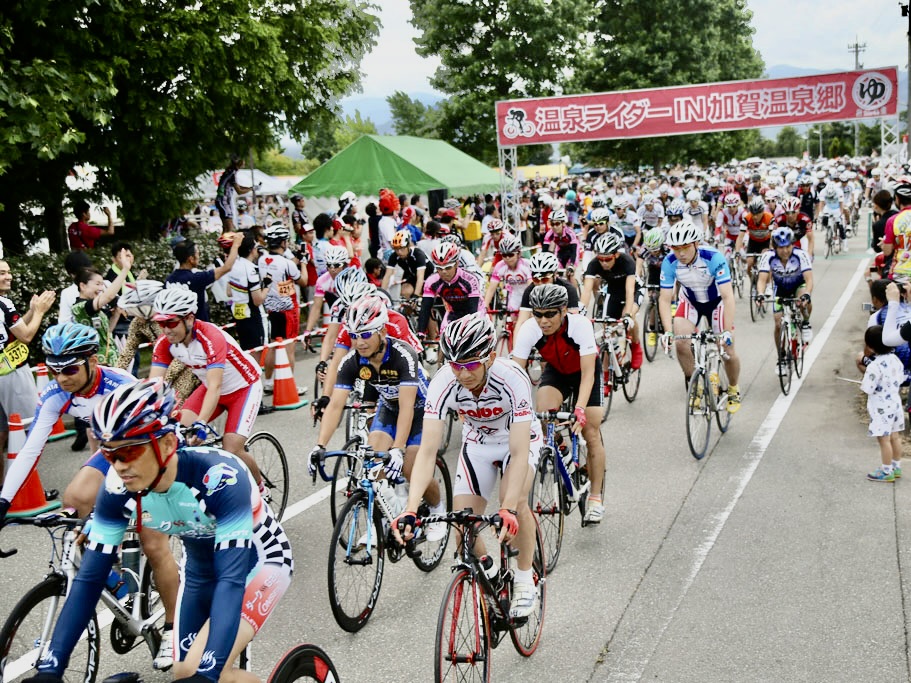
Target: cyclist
{"type": "Point", "coordinates": [602, 221]}
{"type": "Point", "coordinates": [800, 223]}
{"type": "Point", "coordinates": [729, 220]}
{"type": "Point", "coordinates": [230, 378]}
{"type": "Point", "coordinates": [566, 341]}
{"type": "Point", "coordinates": [705, 292]}
{"type": "Point", "coordinates": [459, 290]}
{"type": "Point", "coordinates": [651, 254]}
{"type": "Point", "coordinates": [562, 241]}
{"type": "Point", "coordinates": [627, 223]}
{"type": "Point", "coordinates": [237, 558]}
{"type": "Point", "coordinates": [390, 366]}
{"type": "Point", "coordinates": [415, 265]}
{"type": "Point", "coordinates": [495, 232]}
{"type": "Point", "coordinates": [832, 208]}
{"type": "Point", "coordinates": [501, 435]}
{"type": "Point", "coordinates": [757, 223]}
{"type": "Point", "coordinates": [79, 384]}
{"type": "Point", "coordinates": [791, 274]}
{"type": "Point", "coordinates": [544, 267]}
{"type": "Point", "coordinates": [807, 195]}
{"type": "Point", "coordinates": [617, 272]}
{"type": "Point", "coordinates": [698, 213]}
{"type": "Point", "coordinates": [337, 259]}
{"type": "Point", "coordinates": [513, 271]}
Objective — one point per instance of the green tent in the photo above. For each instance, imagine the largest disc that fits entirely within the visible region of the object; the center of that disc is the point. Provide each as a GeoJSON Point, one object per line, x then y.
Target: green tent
{"type": "Point", "coordinates": [403, 164]}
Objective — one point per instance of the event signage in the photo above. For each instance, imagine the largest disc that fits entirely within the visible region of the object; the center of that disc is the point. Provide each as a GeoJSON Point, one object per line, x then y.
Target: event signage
{"type": "Point", "coordinates": [705, 108]}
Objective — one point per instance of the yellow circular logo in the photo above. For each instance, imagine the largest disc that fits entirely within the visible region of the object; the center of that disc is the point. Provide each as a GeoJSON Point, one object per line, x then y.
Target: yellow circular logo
{"type": "Point", "coordinates": [366, 373]}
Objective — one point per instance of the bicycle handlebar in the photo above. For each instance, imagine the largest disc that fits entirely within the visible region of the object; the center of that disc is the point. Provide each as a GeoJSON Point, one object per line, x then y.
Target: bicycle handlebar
{"type": "Point", "coordinates": [556, 415]}
{"type": "Point", "coordinates": [46, 520]}
{"type": "Point", "coordinates": [346, 450]}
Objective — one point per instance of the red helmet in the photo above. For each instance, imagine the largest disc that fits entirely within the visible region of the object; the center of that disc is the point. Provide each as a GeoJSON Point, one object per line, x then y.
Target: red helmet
{"type": "Point", "coordinates": [445, 254]}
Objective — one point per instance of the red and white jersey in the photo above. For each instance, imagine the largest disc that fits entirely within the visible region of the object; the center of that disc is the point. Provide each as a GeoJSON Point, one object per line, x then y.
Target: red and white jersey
{"type": "Point", "coordinates": [506, 398]}
{"type": "Point", "coordinates": [210, 348]}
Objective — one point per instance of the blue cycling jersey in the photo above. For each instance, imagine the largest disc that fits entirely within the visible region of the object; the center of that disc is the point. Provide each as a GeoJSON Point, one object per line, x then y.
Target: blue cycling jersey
{"type": "Point", "coordinates": [698, 280]}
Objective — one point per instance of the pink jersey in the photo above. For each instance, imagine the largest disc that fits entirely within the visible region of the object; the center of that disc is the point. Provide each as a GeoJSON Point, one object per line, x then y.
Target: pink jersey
{"type": "Point", "coordinates": [515, 280]}
{"type": "Point", "coordinates": [325, 284]}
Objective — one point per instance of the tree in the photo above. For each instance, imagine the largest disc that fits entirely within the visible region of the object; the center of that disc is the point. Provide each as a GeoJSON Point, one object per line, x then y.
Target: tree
{"type": "Point", "coordinates": [493, 50]}
{"type": "Point", "coordinates": [177, 86]}
{"type": "Point", "coordinates": [351, 129]}
{"type": "Point", "coordinates": [412, 117]}
{"type": "Point", "coordinates": [320, 143]}
{"type": "Point", "coordinates": [789, 143]}
{"type": "Point", "coordinates": [274, 162]}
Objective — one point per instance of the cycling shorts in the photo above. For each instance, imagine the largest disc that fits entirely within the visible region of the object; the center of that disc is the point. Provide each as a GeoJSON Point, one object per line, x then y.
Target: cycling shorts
{"type": "Point", "coordinates": [242, 407]}
{"type": "Point", "coordinates": [480, 464]}
{"type": "Point", "coordinates": [225, 208]}
{"type": "Point", "coordinates": [712, 311]}
{"type": "Point", "coordinates": [754, 247]}
{"type": "Point", "coordinates": [285, 324]}
{"type": "Point", "coordinates": [387, 416]}
{"type": "Point", "coordinates": [615, 305]}
{"type": "Point", "coordinates": [250, 333]}
{"type": "Point", "coordinates": [568, 384]}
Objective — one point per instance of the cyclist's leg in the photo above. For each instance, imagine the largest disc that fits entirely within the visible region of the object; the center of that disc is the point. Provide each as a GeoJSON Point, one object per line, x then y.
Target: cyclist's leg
{"type": "Point", "coordinates": [732, 363]}
{"type": "Point", "coordinates": [525, 541]}
{"type": "Point", "coordinates": [475, 479]}
{"type": "Point", "coordinates": [685, 323]}
{"type": "Point", "coordinates": [242, 407]}
{"type": "Point", "coordinates": [83, 490]}
{"type": "Point", "coordinates": [157, 549]}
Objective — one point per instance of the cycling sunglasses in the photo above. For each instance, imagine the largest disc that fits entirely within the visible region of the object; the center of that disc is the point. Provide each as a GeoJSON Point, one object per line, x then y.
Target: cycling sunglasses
{"type": "Point", "coordinates": [362, 335]}
{"type": "Point", "coordinates": [171, 323]}
{"type": "Point", "coordinates": [470, 365]}
{"type": "Point", "coordinates": [126, 453]}
{"type": "Point", "coordinates": [539, 278]}
{"type": "Point", "coordinates": [69, 369]}
{"type": "Point", "coordinates": [546, 314]}
{"type": "Point", "coordinates": [606, 257]}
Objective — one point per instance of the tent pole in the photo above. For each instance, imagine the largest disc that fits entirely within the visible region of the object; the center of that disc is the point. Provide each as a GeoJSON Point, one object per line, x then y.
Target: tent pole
{"type": "Point", "coordinates": [509, 187]}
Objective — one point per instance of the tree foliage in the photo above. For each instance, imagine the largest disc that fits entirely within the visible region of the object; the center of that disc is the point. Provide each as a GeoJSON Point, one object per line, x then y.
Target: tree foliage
{"type": "Point", "coordinates": [412, 117]}
{"type": "Point", "coordinates": [155, 93]}
{"type": "Point", "coordinates": [351, 129]}
{"type": "Point", "coordinates": [274, 162]}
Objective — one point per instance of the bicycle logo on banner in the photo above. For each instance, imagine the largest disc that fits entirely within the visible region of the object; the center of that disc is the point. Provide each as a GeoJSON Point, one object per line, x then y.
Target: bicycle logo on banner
{"type": "Point", "coordinates": [518, 125]}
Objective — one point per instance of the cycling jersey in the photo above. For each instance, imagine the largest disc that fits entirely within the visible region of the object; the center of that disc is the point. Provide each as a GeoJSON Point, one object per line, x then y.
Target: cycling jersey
{"type": "Point", "coordinates": [237, 559]}
{"type": "Point", "coordinates": [626, 225]}
{"type": "Point", "coordinates": [411, 264]}
{"type": "Point", "coordinates": [399, 368]}
{"type": "Point", "coordinates": [651, 218]}
{"type": "Point", "coordinates": [486, 419]}
{"type": "Point", "coordinates": [831, 206]}
{"type": "Point", "coordinates": [52, 404]}
{"type": "Point", "coordinates": [461, 296]}
{"type": "Point", "coordinates": [565, 246]}
{"type": "Point", "coordinates": [615, 278]}
{"type": "Point", "coordinates": [209, 348]}
{"type": "Point", "coordinates": [282, 296]}
{"type": "Point", "coordinates": [696, 212]}
{"type": "Point", "coordinates": [729, 222]}
{"type": "Point", "coordinates": [572, 304]}
{"type": "Point", "coordinates": [898, 234]}
{"type": "Point", "coordinates": [564, 348]}
{"type": "Point", "coordinates": [787, 276]}
{"type": "Point", "coordinates": [758, 230]}
{"type": "Point", "coordinates": [516, 281]}
{"type": "Point", "coordinates": [699, 280]}
{"type": "Point", "coordinates": [325, 287]}
{"type": "Point", "coordinates": [801, 227]}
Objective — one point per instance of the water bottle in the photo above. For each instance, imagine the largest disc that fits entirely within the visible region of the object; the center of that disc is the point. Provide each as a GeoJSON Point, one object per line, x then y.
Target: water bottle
{"type": "Point", "coordinates": [401, 498]}
{"type": "Point", "coordinates": [117, 585]}
{"type": "Point", "coordinates": [129, 562]}
{"type": "Point", "coordinates": [713, 382]}
{"type": "Point", "coordinates": [490, 569]}
{"type": "Point", "coordinates": [385, 495]}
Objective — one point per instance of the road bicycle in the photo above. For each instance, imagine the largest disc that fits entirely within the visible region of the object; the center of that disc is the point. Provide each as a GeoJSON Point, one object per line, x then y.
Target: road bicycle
{"type": "Point", "coordinates": [833, 235]}
{"type": "Point", "coordinates": [474, 614]}
{"type": "Point", "coordinates": [133, 602]}
{"type": "Point", "coordinates": [362, 536]}
{"type": "Point", "coordinates": [707, 392]}
{"type": "Point", "coordinates": [791, 346]}
{"type": "Point", "coordinates": [738, 271]}
{"type": "Point", "coordinates": [561, 481]}
{"type": "Point", "coordinates": [652, 327]}
{"type": "Point", "coordinates": [617, 362]}
{"type": "Point", "coordinates": [503, 345]}
{"type": "Point", "coordinates": [757, 302]}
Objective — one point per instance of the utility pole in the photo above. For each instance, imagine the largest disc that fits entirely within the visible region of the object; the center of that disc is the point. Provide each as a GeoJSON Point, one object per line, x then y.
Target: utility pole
{"type": "Point", "coordinates": [857, 48]}
{"type": "Point", "coordinates": [906, 12]}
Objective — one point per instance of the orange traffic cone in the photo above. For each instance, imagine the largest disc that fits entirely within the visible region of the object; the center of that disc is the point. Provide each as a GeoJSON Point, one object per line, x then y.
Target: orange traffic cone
{"type": "Point", "coordinates": [58, 431]}
{"type": "Point", "coordinates": [30, 500]}
{"type": "Point", "coordinates": [284, 392]}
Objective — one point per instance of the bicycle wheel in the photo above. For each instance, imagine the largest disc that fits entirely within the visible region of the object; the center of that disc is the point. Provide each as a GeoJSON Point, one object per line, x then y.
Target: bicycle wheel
{"type": "Point", "coordinates": [502, 346]}
{"type": "Point", "coordinates": [349, 468]}
{"type": "Point", "coordinates": [451, 418]}
{"type": "Point", "coordinates": [432, 551]}
{"type": "Point", "coordinates": [607, 369]}
{"type": "Point", "coordinates": [785, 369]}
{"type": "Point", "coordinates": [546, 500]}
{"type": "Point", "coordinates": [631, 378]}
{"type": "Point", "coordinates": [698, 415]}
{"type": "Point", "coordinates": [356, 568]}
{"type": "Point", "coordinates": [581, 482]}
{"type": "Point", "coordinates": [27, 632]}
{"type": "Point", "coordinates": [829, 245]}
{"type": "Point", "coordinates": [650, 324]}
{"type": "Point", "coordinates": [304, 663]}
{"type": "Point", "coordinates": [754, 303]}
{"type": "Point", "coordinates": [722, 416]}
{"type": "Point", "coordinates": [740, 279]}
{"type": "Point", "coordinates": [461, 649]}
{"type": "Point", "coordinates": [269, 455]}
{"type": "Point", "coordinates": [798, 351]}
{"type": "Point", "coordinates": [526, 632]}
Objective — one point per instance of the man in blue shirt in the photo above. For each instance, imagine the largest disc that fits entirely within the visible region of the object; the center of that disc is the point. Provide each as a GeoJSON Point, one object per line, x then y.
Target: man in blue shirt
{"type": "Point", "coordinates": [198, 281]}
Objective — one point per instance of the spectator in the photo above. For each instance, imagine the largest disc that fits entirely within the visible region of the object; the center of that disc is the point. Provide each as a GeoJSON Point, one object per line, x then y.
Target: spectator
{"type": "Point", "coordinates": [881, 383]}
{"type": "Point", "coordinates": [82, 235]}
{"type": "Point", "coordinates": [373, 230]}
{"type": "Point", "coordinates": [246, 292]}
{"type": "Point", "coordinates": [214, 224]}
{"type": "Point", "coordinates": [882, 212]}
{"type": "Point", "coordinates": [227, 192]}
{"type": "Point", "coordinates": [73, 263]}
{"type": "Point", "coordinates": [94, 295]}
{"type": "Point", "coordinates": [187, 256]}
{"type": "Point", "coordinates": [308, 260]}
{"type": "Point", "coordinates": [120, 321]}
{"type": "Point", "coordinates": [245, 221]}
{"type": "Point", "coordinates": [322, 227]}
{"type": "Point", "coordinates": [299, 220]}
{"type": "Point", "coordinates": [389, 204]}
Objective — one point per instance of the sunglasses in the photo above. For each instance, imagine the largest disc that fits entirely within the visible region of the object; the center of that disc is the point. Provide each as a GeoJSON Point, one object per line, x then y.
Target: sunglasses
{"type": "Point", "coordinates": [449, 267]}
{"type": "Point", "coordinates": [606, 257]}
{"type": "Point", "coordinates": [557, 223]}
{"type": "Point", "coordinates": [125, 454]}
{"type": "Point", "coordinates": [171, 323]}
{"type": "Point", "coordinates": [68, 370]}
{"type": "Point", "coordinates": [546, 314]}
{"type": "Point", "coordinates": [361, 335]}
{"type": "Point", "coordinates": [470, 365]}
{"type": "Point", "coordinates": [510, 254]}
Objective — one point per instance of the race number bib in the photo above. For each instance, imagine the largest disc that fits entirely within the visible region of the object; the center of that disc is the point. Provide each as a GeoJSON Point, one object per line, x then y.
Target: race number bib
{"type": "Point", "coordinates": [241, 312]}
{"type": "Point", "coordinates": [286, 288]}
{"type": "Point", "coordinates": [12, 357]}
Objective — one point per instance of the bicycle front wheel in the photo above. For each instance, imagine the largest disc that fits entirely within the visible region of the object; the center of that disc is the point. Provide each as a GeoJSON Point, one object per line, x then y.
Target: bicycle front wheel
{"type": "Point", "coordinates": [631, 377]}
{"type": "Point", "coordinates": [432, 551]}
{"type": "Point", "coordinates": [462, 646]}
{"type": "Point", "coordinates": [722, 416]}
{"type": "Point", "coordinates": [356, 561]}
{"type": "Point", "coordinates": [698, 415]}
{"type": "Point", "coordinates": [526, 632]}
{"type": "Point", "coordinates": [27, 632]}
{"type": "Point", "coordinates": [650, 330]}
{"type": "Point", "coordinates": [798, 351]}
{"type": "Point", "coordinates": [269, 455]}
{"type": "Point", "coordinates": [304, 663]}
{"type": "Point", "coordinates": [451, 419]}
{"type": "Point", "coordinates": [785, 367]}
{"type": "Point", "coordinates": [546, 501]}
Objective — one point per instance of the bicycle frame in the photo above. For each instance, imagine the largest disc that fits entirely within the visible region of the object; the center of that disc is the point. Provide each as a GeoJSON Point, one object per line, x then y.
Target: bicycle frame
{"type": "Point", "coordinates": [551, 419]}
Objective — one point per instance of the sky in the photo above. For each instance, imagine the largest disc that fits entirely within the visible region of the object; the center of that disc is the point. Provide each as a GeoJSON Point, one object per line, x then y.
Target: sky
{"type": "Point", "coordinates": [812, 34]}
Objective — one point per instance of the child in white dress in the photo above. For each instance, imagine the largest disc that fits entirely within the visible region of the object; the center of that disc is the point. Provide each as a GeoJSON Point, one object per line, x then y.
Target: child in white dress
{"type": "Point", "coordinates": [881, 383]}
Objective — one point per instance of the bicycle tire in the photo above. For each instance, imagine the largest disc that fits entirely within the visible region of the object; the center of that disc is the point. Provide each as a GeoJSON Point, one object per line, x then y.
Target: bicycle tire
{"type": "Point", "coordinates": [799, 350]}
{"type": "Point", "coordinates": [151, 600]}
{"type": "Point", "coordinates": [270, 457]}
{"type": "Point", "coordinates": [754, 304]}
{"type": "Point", "coordinates": [722, 416]}
{"type": "Point", "coordinates": [304, 662]}
{"type": "Point", "coordinates": [462, 647]}
{"type": "Point", "coordinates": [352, 594]}
{"type": "Point", "coordinates": [829, 246]}
{"type": "Point", "coordinates": [503, 347]}
{"type": "Point", "coordinates": [581, 482]}
{"type": "Point", "coordinates": [650, 327]}
{"type": "Point", "coordinates": [784, 358]}
{"type": "Point", "coordinates": [631, 377]}
{"type": "Point", "coordinates": [450, 419]}
{"type": "Point", "coordinates": [526, 635]}
{"type": "Point", "coordinates": [350, 467]}
{"type": "Point", "coordinates": [432, 552]}
{"type": "Point", "coordinates": [607, 369]}
{"type": "Point", "coordinates": [22, 635]}
{"type": "Point", "coordinates": [740, 279]}
{"type": "Point", "coordinates": [698, 415]}
{"type": "Point", "coordinates": [547, 501]}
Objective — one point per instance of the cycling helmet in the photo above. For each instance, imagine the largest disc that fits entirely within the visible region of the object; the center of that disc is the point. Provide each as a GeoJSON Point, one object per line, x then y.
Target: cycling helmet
{"type": "Point", "coordinates": [756, 205]}
{"type": "Point", "coordinates": [600, 215]}
{"type": "Point", "coordinates": [682, 234]}
{"type": "Point", "coordinates": [295, 197]}
{"type": "Point", "coordinates": [732, 200]}
{"type": "Point", "coordinates": [648, 199]}
{"type": "Point", "coordinates": [226, 239]}
{"type": "Point", "coordinates": [791, 204]}
{"type": "Point", "coordinates": [174, 301]}
{"type": "Point", "coordinates": [139, 297]}
{"type": "Point", "coordinates": [608, 243]}
{"type": "Point", "coordinates": [621, 204]}
{"type": "Point", "coordinates": [494, 224]}
{"type": "Point", "coordinates": [844, 177]}
{"type": "Point", "coordinates": [452, 238]}
{"type": "Point", "coordinates": [544, 263]}
{"type": "Point", "coordinates": [693, 196]}
{"type": "Point", "coordinates": [876, 172]}
{"type": "Point", "coordinates": [337, 257]}
{"type": "Point", "coordinates": [367, 315]}
{"type": "Point", "coordinates": [469, 337]}
{"type": "Point", "coordinates": [510, 244]}
{"type": "Point", "coordinates": [558, 216]}
{"type": "Point", "coordinates": [782, 237]}
{"type": "Point", "coordinates": [756, 177]}
{"type": "Point", "coordinates": [653, 239]}
{"type": "Point", "coordinates": [135, 411]}
{"type": "Point", "coordinates": [599, 202]}
{"type": "Point", "coordinates": [772, 196]}
{"type": "Point", "coordinates": [444, 254]}
{"type": "Point", "coordinates": [791, 177]}
{"type": "Point", "coordinates": [276, 234]}
{"type": "Point", "coordinates": [401, 239]}
{"type": "Point", "coordinates": [349, 276]}
{"type": "Point", "coordinates": [805, 180]}
{"type": "Point", "coordinates": [903, 191]}
{"type": "Point", "coordinates": [241, 204]}
{"type": "Point", "coordinates": [549, 296]}
{"type": "Point", "coordinates": [714, 182]}
{"type": "Point", "coordinates": [65, 344]}
{"type": "Point", "coordinates": [675, 208]}
{"type": "Point", "coordinates": [354, 292]}
{"type": "Point", "coordinates": [728, 189]}
{"type": "Point", "coordinates": [739, 179]}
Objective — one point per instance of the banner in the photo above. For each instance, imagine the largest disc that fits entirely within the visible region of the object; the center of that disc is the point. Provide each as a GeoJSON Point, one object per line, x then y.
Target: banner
{"type": "Point", "coordinates": [705, 108]}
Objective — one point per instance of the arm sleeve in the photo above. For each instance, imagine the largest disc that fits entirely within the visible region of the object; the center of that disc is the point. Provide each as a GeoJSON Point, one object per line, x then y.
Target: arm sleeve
{"type": "Point", "coordinates": [424, 316]}
{"type": "Point", "coordinates": [46, 414]}
{"type": "Point", "coordinates": [893, 335]}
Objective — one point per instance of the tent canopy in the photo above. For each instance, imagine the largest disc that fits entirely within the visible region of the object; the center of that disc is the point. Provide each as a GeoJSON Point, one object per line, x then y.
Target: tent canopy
{"type": "Point", "coordinates": [404, 164]}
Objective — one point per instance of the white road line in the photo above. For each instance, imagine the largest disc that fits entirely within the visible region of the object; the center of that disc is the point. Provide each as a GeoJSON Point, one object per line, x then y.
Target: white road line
{"type": "Point", "coordinates": [631, 662]}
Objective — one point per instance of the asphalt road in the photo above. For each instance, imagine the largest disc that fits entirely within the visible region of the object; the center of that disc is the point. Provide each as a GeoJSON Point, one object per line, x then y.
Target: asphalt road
{"type": "Point", "coordinates": [772, 559]}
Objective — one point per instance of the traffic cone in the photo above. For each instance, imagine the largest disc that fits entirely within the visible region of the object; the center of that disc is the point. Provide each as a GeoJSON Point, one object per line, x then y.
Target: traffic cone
{"type": "Point", "coordinates": [58, 431]}
{"type": "Point", "coordinates": [284, 391]}
{"type": "Point", "coordinates": [30, 500]}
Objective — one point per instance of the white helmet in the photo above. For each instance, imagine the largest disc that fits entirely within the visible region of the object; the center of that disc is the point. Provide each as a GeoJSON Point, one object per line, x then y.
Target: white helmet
{"type": "Point", "coordinates": [791, 177]}
{"type": "Point", "coordinates": [174, 301]}
{"type": "Point", "coordinates": [336, 256]}
{"type": "Point", "coordinates": [139, 297]}
{"type": "Point", "coordinates": [621, 204]}
{"type": "Point", "coordinates": [693, 196]}
{"type": "Point", "coordinates": [558, 215]}
{"type": "Point", "coordinates": [681, 234]}
{"type": "Point", "coordinates": [600, 215]}
{"type": "Point", "coordinates": [544, 263]}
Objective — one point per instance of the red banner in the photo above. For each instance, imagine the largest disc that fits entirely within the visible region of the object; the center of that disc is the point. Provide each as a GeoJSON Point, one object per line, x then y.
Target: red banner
{"type": "Point", "coordinates": [706, 108]}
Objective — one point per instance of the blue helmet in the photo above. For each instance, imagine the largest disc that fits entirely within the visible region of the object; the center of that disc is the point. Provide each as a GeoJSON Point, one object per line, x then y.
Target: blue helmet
{"type": "Point", "coordinates": [676, 208]}
{"type": "Point", "coordinates": [69, 341]}
{"type": "Point", "coordinates": [782, 237]}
